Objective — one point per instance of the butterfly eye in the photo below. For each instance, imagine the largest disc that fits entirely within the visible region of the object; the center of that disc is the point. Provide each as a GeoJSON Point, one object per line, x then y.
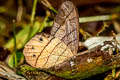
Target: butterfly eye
{"type": "Point", "coordinates": [34, 55]}
{"type": "Point", "coordinates": [41, 39]}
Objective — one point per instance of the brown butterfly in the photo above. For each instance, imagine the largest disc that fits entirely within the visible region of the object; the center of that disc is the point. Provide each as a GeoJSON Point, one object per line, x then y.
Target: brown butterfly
{"type": "Point", "coordinates": [45, 51]}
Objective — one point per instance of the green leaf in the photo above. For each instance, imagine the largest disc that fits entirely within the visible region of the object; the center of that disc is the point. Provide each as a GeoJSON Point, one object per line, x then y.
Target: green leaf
{"type": "Point", "coordinates": [11, 61]}
{"type": "Point", "coordinates": [21, 37]}
{"type": "Point", "coordinates": [35, 28]}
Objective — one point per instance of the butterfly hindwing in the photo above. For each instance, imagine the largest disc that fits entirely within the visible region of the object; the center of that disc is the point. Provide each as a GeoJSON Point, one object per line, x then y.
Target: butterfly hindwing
{"type": "Point", "coordinates": [44, 51]}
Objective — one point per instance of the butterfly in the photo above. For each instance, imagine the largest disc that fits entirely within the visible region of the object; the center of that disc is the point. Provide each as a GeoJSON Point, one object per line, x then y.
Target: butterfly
{"type": "Point", "coordinates": [47, 50]}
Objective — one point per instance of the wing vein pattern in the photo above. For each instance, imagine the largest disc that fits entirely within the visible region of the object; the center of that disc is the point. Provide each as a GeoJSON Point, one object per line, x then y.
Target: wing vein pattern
{"type": "Point", "coordinates": [66, 26]}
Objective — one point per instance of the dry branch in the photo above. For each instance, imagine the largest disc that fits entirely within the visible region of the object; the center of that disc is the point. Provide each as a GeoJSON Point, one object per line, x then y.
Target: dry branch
{"type": "Point", "coordinates": [7, 73]}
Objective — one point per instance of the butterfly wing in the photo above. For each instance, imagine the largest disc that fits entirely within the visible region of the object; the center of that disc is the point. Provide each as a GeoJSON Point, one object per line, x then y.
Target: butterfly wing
{"type": "Point", "coordinates": [66, 26]}
{"type": "Point", "coordinates": [45, 51]}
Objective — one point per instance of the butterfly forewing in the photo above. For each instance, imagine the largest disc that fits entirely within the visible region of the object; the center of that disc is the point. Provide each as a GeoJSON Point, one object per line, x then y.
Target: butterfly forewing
{"type": "Point", "coordinates": [66, 26]}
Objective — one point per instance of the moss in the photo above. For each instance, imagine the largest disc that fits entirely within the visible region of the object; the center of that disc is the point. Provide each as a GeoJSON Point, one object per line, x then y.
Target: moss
{"type": "Point", "coordinates": [82, 74]}
{"type": "Point", "coordinates": [27, 68]}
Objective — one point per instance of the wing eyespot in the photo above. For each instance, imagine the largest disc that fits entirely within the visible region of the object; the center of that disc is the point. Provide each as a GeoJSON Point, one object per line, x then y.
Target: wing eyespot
{"type": "Point", "coordinates": [41, 39]}
{"type": "Point", "coordinates": [32, 47]}
{"type": "Point", "coordinates": [34, 55]}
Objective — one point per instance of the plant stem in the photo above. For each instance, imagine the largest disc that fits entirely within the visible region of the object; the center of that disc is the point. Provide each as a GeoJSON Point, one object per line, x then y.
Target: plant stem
{"type": "Point", "coordinates": [51, 8]}
{"type": "Point", "coordinates": [48, 5]}
{"type": "Point", "coordinates": [33, 11]}
{"type": "Point", "coordinates": [15, 50]}
{"type": "Point", "coordinates": [32, 18]}
{"type": "Point", "coordinates": [98, 18]}
{"type": "Point", "coordinates": [45, 21]}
